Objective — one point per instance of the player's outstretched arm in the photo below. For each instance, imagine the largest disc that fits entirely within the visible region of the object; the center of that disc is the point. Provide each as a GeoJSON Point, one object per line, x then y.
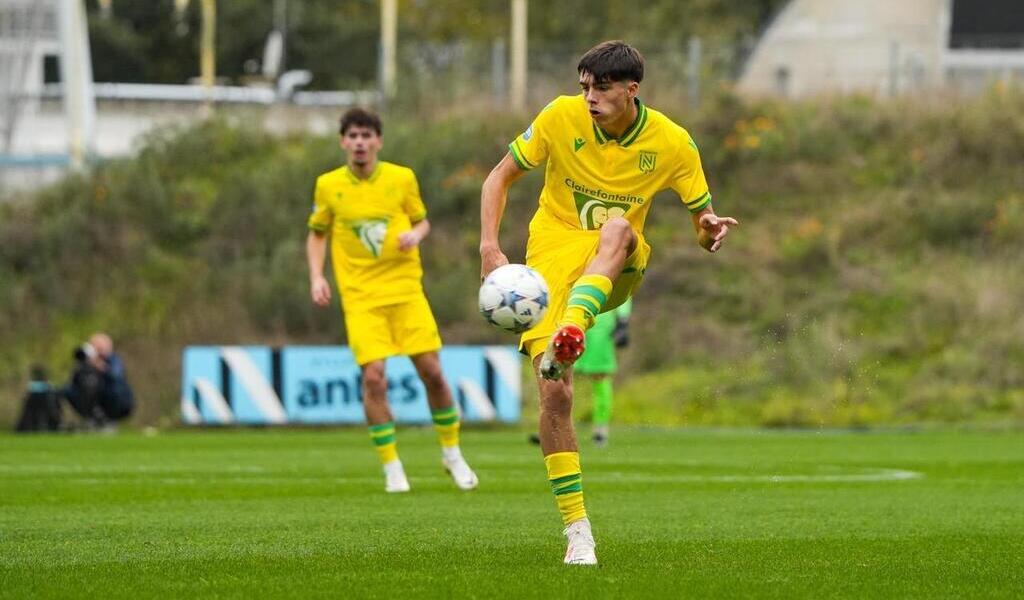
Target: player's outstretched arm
{"type": "Point", "coordinates": [711, 229]}
{"type": "Point", "coordinates": [316, 252]}
{"type": "Point", "coordinates": [492, 207]}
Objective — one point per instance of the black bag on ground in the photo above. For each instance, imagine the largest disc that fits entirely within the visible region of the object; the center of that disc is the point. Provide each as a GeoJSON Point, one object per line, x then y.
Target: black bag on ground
{"type": "Point", "coordinates": [40, 410]}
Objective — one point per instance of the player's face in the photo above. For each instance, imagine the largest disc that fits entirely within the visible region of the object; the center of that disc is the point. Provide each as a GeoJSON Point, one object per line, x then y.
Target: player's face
{"type": "Point", "coordinates": [361, 144]}
{"type": "Point", "coordinates": [608, 101]}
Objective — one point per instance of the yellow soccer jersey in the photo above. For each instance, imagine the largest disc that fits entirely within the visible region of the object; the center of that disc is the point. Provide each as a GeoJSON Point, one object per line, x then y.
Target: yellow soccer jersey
{"type": "Point", "coordinates": [364, 219]}
{"type": "Point", "coordinates": [591, 177]}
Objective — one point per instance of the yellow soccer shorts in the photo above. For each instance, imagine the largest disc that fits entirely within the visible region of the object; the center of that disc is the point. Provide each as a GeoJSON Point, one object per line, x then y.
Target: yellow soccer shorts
{"type": "Point", "coordinates": [376, 333]}
{"type": "Point", "coordinates": [561, 257]}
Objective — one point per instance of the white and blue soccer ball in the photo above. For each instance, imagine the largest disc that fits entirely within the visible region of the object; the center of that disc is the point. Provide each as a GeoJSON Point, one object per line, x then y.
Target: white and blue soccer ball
{"type": "Point", "coordinates": [514, 298]}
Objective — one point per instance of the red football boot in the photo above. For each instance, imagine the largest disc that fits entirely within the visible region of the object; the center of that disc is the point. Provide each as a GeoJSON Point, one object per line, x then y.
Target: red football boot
{"type": "Point", "coordinates": [565, 347]}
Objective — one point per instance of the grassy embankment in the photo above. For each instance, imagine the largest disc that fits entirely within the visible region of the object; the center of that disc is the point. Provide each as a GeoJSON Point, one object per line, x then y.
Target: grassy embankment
{"type": "Point", "coordinates": [875, 278]}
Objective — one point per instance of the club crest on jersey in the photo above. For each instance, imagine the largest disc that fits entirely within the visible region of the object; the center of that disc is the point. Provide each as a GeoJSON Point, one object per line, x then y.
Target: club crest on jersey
{"type": "Point", "coordinates": [594, 213]}
{"type": "Point", "coordinates": [371, 233]}
{"type": "Point", "coordinates": [647, 161]}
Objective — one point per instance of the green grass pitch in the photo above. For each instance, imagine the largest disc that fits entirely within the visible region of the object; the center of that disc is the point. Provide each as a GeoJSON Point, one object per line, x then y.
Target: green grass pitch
{"type": "Point", "coordinates": [302, 513]}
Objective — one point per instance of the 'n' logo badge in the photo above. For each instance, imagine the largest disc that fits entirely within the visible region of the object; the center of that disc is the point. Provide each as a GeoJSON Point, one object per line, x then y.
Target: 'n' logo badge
{"type": "Point", "coordinates": [577, 144]}
{"type": "Point", "coordinates": [647, 161]}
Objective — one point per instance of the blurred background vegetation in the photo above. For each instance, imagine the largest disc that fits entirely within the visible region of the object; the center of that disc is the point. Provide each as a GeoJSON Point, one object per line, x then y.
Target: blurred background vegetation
{"type": "Point", "coordinates": [337, 41]}
{"type": "Point", "coordinates": [875, 277]}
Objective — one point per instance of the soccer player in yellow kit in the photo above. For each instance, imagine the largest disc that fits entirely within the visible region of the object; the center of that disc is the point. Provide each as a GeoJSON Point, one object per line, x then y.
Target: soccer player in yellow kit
{"type": "Point", "coordinates": [375, 218]}
{"type": "Point", "coordinates": [607, 155]}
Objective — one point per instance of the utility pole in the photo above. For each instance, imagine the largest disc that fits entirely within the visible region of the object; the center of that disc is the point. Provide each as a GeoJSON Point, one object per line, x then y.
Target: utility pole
{"type": "Point", "coordinates": [518, 84]}
{"type": "Point", "coordinates": [207, 46]}
{"type": "Point", "coordinates": [388, 48]}
{"type": "Point", "coordinates": [76, 78]}
{"type": "Point", "coordinates": [281, 26]}
{"type": "Point", "coordinates": [693, 74]}
{"type": "Point", "coordinates": [208, 52]}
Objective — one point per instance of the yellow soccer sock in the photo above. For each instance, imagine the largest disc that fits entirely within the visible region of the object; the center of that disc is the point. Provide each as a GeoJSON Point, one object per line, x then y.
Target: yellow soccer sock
{"type": "Point", "coordinates": [567, 484]}
{"type": "Point", "coordinates": [383, 437]}
{"type": "Point", "coordinates": [586, 298]}
{"type": "Point", "coordinates": [446, 424]}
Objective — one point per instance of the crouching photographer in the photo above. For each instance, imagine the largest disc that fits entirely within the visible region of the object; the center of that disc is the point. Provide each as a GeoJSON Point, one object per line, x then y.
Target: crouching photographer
{"type": "Point", "coordinates": [98, 389]}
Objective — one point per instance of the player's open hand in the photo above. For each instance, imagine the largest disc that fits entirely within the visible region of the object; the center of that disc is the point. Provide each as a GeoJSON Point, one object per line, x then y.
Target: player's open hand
{"type": "Point", "coordinates": [491, 259]}
{"type": "Point", "coordinates": [320, 291]}
{"type": "Point", "coordinates": [407, 240]}
{"type": "Point", "coordinates": [717, 228]}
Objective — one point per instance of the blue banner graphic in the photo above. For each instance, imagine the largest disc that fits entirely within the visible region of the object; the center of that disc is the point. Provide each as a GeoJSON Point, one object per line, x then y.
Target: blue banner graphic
{"type": "Point", "coordinates": [259, 385]}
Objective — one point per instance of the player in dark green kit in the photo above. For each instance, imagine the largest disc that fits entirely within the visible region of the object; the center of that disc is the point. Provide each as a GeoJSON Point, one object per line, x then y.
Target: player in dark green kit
{"type": "Point", "coordinates": [599, 364]}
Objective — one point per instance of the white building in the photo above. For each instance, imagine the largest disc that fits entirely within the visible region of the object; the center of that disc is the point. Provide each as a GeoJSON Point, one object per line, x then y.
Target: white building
{"type": "Point", "coordinates": [886, 47]}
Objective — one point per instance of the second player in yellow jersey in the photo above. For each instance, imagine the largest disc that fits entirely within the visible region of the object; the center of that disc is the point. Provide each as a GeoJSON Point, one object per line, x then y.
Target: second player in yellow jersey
{"type": "Point", "coordinates": [365, 218]}
{"type": "Point", "coordinates": [373, 216]}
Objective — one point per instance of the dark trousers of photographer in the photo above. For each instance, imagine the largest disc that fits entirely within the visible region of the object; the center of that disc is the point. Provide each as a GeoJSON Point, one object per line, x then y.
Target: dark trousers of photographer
{"type": "Point", "coordinates": [99, 396]}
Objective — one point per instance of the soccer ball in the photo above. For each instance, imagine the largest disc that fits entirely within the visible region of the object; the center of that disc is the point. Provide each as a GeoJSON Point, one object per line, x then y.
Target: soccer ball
{"type": "Point", "coordinates": [513, 298]}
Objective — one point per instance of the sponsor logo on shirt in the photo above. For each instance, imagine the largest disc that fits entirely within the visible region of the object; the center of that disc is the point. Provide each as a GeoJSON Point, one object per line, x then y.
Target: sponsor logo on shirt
{"type": "Point", "coordinates": [595, 213]}
{"type": "Point", "coordinates": [602, 194]}
{"type": "Point", "coordinates": [371, 233]}
{"type": "Point", "coordinates": [528, 133]}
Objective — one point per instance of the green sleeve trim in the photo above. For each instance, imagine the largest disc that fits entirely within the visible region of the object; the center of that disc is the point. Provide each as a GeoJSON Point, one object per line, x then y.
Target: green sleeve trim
{"type": "Point", "coordinates": [318, 227]}
{"type": "Point", "coordinates": [517, 155]}
{"type": "Point", "coordinates": [700, 203]}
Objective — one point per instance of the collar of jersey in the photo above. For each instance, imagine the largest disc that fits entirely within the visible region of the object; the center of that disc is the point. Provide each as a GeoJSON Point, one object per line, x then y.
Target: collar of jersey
{"type": "Point", "coordinates": [632, 132]}
{"type": "Point", "coordinates": [373, 176]}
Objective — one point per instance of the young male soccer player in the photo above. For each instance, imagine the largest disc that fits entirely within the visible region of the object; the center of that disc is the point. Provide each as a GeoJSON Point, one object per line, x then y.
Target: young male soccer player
{"type": "Point", "coordinates": [375, 218]}
{"type": "Point", "coordinates": [607, 155]}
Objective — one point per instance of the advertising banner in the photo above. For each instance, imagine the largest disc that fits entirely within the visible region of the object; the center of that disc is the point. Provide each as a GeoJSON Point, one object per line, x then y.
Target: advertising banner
{"type": "Point", "coordinates": [260, 385]}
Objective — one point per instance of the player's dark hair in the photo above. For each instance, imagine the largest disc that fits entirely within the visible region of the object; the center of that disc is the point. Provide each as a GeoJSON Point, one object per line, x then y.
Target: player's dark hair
{"type": "Point", "coordinates": [614, 60]}
{"type": "Point", "coordinates": [360, 117]}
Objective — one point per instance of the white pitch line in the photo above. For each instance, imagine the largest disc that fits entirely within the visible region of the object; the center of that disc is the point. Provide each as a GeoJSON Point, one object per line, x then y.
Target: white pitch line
{"type": "Point", "coordinates": [123, 469]}
{"type": "Point", "coordinates": [870, 475]}
{"type": "Point", "coordinates": [232, 474]}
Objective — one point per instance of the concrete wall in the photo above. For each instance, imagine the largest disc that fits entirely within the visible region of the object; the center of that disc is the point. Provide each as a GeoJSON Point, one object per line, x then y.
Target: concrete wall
{"type": "Point", "coordinates": [838, 46]}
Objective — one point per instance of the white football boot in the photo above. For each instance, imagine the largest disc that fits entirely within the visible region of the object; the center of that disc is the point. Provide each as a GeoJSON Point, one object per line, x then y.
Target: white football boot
{"type": "Point", "coordinates": [395, 481]}
{"type": "Point", "coordinates": [458, 468]}
{"type": "Point", "coordinates": [580, 549]}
